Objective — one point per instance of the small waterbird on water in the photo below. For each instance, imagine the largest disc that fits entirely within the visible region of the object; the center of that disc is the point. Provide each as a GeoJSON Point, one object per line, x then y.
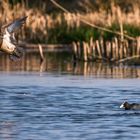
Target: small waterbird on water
{"type": "Point", "coordinates": [8, 42]}
{"type": "Point", "coordinates": [128, 106]}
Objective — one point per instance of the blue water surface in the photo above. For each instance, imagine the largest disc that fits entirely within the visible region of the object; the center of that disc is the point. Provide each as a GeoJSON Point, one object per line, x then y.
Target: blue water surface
{"type": "Point", "coordinates": [60, 106]}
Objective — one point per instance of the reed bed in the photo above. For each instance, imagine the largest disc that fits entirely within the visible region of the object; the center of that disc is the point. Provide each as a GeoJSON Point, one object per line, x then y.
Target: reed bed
{"type": "Point", "coordinates": [116, 50]}
{"type": "Point", "coordinates": [40, 24]}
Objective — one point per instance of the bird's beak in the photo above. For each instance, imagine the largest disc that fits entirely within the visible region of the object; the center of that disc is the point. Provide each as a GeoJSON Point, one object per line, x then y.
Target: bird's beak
{"type": "Point", "coordinates": [121, 106]}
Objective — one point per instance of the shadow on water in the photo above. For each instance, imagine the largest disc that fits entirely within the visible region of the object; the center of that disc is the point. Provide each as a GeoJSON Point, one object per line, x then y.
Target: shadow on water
{"type": "Point", "coordinates": [62, 62]}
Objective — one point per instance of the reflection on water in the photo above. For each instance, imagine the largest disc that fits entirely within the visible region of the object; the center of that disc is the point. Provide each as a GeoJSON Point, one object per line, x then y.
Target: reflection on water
{"type": "Point", "coordinates": [67, 107]}
{"type": "Point", "coordinates": [75, 102]}
{"type": "Point", "coordinates": [32, 62]}
{"type": "Point", "coordinates": [107, 71]}
{"type": "Point", "coordinates": [7, 129]}
{"type": "Point", "coordinates": [63, 63]}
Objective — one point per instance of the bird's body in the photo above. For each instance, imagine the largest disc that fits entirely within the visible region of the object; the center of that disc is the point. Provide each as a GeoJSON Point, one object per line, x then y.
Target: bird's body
{"type": "Point", "coordinates": [128, 106]}
{"type": "Point", "coordinates": [8, 43]}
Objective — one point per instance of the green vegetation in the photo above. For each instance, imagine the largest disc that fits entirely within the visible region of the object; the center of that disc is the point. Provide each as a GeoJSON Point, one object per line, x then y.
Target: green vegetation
{"type": "Point", "coordinates": [48, 24]}
{"type": "Point", "coordinates": [61, 34]}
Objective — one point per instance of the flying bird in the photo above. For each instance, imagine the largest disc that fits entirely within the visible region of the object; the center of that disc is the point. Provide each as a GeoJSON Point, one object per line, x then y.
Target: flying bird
{"type": "Point", "coordinates": [8, 42]}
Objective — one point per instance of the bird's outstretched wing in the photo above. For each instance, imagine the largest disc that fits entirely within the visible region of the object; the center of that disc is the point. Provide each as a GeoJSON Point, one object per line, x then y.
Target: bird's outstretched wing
{"type": "Point", "coordinates": [12, 27]}
{"type": "Point", "coordinates": [9, 43]}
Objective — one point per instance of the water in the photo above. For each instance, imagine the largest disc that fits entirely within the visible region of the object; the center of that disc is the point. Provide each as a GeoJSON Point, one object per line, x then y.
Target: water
{"type": "Point", "coordinates": [63, 106]}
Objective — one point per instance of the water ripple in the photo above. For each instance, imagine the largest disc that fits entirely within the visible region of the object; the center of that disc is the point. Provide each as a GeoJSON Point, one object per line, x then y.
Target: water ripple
{"type": "Point", "coordinates": [71, 108]}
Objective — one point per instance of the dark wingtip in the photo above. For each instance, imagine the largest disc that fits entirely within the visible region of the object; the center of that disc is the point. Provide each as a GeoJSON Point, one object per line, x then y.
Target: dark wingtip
{"type": "Point", "coordinates": [24, 18]}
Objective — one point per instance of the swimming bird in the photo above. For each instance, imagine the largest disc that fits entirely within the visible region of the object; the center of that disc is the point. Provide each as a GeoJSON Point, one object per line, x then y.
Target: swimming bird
{"type": "Point", "coordinates": [128, 106]}
{"type": "Point", "coordinates": [8, 42]}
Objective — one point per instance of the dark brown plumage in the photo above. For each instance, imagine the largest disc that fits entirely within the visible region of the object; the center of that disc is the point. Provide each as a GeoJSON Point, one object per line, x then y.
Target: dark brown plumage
{"type": "Point", "coordinates": [128, 106]}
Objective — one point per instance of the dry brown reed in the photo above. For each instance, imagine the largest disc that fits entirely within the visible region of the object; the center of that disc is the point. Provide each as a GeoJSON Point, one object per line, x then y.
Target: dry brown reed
{"type": "Point", "coordinates": [116, 50]}
{"type": "Point", "coordinates": [40, 22]}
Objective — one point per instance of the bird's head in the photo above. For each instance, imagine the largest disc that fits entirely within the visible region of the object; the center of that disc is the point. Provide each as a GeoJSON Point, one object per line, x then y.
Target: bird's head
{"type": "Point", "coordinates": [15, 53]}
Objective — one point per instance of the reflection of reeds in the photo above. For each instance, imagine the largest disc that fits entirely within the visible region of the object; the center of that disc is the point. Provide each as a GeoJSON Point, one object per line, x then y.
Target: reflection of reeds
{"type": "Point", "coordinates": [37, 28]}
{"type": "Point", "coordinates": [32, 63]}
{"type": "Point", "coordinates": [100, 70]}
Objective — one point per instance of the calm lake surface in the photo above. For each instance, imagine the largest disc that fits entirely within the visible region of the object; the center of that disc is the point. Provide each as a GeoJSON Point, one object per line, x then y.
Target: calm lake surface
{"type": "Point", "coordinates": [66, 106]}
